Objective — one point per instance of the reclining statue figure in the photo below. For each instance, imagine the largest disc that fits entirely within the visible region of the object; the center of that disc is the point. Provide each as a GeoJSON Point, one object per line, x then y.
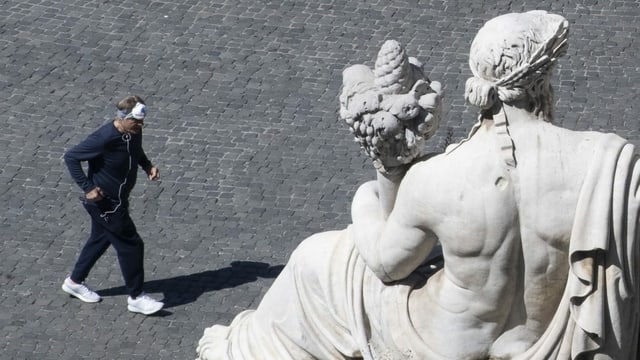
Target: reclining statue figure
{"type": "Point", "coordinates": [537, 226]}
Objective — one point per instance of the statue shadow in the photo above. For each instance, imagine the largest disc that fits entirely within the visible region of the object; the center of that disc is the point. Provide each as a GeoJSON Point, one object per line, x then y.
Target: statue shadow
{"type": "Point", "coordinates": [185, 289]}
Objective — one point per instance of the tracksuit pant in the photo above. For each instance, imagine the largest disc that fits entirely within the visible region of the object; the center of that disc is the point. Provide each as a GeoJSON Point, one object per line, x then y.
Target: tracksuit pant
{"type": "Point", "coordinates": [109, 227]}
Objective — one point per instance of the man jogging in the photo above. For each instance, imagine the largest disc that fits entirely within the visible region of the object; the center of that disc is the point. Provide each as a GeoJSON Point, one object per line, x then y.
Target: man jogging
{"type": "Point", "coordinates": [113, 153]}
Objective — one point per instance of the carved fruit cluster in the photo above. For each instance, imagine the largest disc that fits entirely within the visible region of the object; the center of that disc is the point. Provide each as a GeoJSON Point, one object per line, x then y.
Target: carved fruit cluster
{"type": "Point", "coordinates": [391, 110]}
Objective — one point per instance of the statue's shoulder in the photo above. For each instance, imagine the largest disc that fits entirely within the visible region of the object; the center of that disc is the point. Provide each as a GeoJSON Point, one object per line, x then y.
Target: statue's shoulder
{"type": "Point", "coordinates": [435, 170]}
{"type": "Point", "coordinates": [583, 141]}
{"type": "Point", "coordinates": [426, 161]}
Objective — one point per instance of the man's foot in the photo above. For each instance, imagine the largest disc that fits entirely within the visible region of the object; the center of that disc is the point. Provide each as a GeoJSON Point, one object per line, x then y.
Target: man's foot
{"type": "Point", "coordinates": [81, 291]}
{"type": "Point", "coordinates": [144, 304]}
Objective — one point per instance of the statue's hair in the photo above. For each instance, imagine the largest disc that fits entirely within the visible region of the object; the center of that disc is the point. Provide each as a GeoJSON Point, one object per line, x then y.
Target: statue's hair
{"type": "Point", "coordinates": [512, 58]}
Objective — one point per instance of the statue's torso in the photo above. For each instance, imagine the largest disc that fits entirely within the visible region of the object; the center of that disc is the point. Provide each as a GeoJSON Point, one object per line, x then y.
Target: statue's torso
{"type": "Point", "coordinates": [504, 233]}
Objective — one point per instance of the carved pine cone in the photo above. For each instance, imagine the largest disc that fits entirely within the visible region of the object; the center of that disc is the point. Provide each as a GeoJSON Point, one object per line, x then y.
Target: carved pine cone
{"type": "Point", "coordinates": [393, 74]}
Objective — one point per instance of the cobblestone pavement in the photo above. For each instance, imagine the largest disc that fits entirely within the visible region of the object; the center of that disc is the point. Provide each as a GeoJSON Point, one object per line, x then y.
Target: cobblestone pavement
{"type": "Point", "coordinates": [243, 126]}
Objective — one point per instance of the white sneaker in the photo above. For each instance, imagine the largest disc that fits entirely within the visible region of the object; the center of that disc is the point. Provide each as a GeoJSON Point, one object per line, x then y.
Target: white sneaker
{"type": "Point", "coordinates": [144, 304]}
{"type": "Point", "coordinates": [81, 291]}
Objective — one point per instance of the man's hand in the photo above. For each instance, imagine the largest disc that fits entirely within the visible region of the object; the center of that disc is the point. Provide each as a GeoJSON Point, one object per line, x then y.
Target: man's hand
{"type": "Point", "coordinates": [95, 195]}
{"type": "Point", "coordinates": [153, 173]}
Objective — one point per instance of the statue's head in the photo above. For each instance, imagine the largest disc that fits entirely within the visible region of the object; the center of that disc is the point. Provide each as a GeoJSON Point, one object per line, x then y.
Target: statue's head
{"type": "Point", "coordinates": [512, 58]}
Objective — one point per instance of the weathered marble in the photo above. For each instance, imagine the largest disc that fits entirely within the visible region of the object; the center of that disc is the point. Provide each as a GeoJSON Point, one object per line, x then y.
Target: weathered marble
{"type": "Point", "coordinates": [391, 110]}
{"type": "Point", "coordinates": [537, 226]}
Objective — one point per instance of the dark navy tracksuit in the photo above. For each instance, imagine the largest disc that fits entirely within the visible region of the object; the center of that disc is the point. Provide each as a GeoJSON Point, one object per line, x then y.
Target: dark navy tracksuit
{"type": "Point", "coordinates": [113, 160]}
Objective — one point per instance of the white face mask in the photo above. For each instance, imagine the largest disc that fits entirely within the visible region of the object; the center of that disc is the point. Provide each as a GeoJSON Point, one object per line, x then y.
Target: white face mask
{"type": "Point", "coordinates": [138, 112]}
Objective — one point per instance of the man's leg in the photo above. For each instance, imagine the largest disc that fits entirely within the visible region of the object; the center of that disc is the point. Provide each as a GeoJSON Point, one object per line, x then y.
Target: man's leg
{"type": "Point", "coordinates": [130, 253]}
{"type": "Point", "coordinates": [93, 249]}
{"type": "Point", "coordinates": [129, 248]}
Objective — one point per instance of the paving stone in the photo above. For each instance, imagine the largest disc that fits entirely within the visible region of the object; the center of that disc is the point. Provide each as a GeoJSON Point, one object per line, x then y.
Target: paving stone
{"type": "Point", "coordinates": [243, 125]}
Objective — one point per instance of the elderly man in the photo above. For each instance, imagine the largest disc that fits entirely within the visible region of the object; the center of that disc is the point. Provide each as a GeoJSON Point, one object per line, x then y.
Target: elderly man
{"type": "Point", "coordinates": [537, 226]}
{"type": "Point", "coordinates": [114, 153]}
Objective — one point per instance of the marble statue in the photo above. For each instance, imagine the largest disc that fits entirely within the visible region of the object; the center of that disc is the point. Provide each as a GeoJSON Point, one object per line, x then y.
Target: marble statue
{"type": "Point", "coordinates": [537, 225]}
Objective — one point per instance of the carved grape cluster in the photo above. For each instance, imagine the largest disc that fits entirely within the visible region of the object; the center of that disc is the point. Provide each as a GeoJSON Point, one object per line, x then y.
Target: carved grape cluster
{"type": "Point", "coordinates": [391, 110]}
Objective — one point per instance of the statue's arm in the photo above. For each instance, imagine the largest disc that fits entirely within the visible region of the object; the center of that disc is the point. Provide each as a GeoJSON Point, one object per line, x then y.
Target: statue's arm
{"type": "Point", "coordinates": [395, 245]}
{"type": "Point", "coordinates": [392, 110]}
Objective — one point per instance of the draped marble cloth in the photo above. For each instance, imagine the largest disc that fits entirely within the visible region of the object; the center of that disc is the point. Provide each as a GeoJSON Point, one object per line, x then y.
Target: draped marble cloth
{"type": "Point", "coordinates": [313, 310]}
{"type": "Point", "coordinates": [598, 315]}
{"type": "Point", "coordinates": [326, 304]}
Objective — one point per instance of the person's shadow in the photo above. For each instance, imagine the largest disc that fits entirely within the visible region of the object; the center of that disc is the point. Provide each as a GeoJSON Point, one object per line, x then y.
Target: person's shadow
{"type": "Point", "coordinates": [186, 289]}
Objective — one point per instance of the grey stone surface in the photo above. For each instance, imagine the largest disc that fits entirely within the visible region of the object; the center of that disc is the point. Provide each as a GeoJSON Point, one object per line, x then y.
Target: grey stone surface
{"type": "Point", "coordinates": [243, 125]}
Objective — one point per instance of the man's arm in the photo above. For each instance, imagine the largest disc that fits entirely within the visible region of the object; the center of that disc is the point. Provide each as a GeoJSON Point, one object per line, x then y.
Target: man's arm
{"type": "Point", "coordinates": [90, 148]}
{"type": "Point", "coordinates": [144, 162]}
{"type": "Point", "coordinates": [152, 172]}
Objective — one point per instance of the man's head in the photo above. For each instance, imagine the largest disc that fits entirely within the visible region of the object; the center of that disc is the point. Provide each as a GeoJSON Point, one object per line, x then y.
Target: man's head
{"type": "Point", "coordinates": [131, 113]}
{"type": "Point", "coordinates": [512, 58]}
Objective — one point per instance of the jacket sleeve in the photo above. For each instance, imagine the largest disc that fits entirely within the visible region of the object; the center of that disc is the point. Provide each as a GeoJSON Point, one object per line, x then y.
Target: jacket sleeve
{"type": "Point", "coordinates": [143, 161]}
{"type": "Point", "coordinates": [92, 147]}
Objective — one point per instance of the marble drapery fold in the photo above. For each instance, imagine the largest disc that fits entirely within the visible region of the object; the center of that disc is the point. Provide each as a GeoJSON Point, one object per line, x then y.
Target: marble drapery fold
{"type": "Point", "coordinates": [598, 315]}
